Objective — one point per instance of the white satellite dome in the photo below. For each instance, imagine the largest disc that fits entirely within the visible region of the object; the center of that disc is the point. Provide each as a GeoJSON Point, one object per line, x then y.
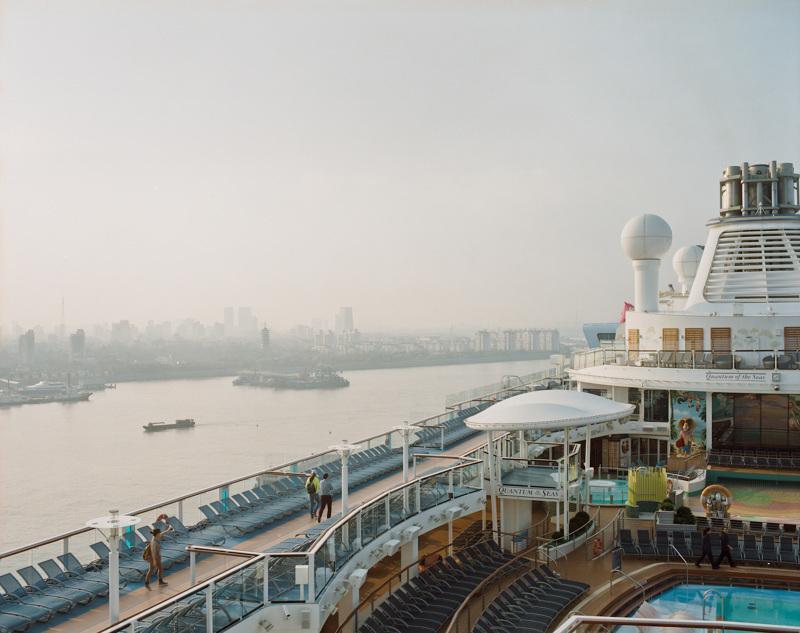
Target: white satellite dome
{"type": "Point", "coordinates": [686, 261]}
{"type": "Point", "coordinates": [646, 236]}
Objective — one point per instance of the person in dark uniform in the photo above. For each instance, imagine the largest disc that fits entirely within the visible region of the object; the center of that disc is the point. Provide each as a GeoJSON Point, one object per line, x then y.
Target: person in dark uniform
{"type": "Point", "coordinates": [726, 550]}
{"type": "Point", "coordinates": [707, 553]}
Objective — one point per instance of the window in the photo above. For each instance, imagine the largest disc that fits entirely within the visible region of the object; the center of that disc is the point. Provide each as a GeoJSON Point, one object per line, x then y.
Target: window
{"type": "Point", "coordinates": [695, 338]}
{"type": "Point", "coordinates": [669, 339]}
{"type": "Point", "coordinates": [720, 339]}
{"type": "Point", "coordinates": [656, 405]}
{"type": "Point", "coordinates": [759, 421]}
{"type": "Point", "coordinates": [791, 338]}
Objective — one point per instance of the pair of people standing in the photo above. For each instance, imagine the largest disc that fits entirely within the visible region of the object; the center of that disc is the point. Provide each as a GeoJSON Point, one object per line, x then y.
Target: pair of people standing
{"type": "Point", "coordinates": [725, 552]}
{"type": "Point", "coordinates": [319, 495]}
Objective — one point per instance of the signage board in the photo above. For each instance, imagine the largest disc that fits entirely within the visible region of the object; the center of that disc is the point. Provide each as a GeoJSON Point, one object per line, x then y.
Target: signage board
{"type": "Point", "coordinates": [530, 493]}
{"type": "Point", "coordinates": [736, 377]}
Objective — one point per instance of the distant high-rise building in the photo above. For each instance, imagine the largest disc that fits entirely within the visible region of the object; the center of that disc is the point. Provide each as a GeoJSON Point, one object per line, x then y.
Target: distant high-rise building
{"type": "Point", "coordinates": [248, 324]}
{"type": "Point", "coordinates": [27, 347]}
{"type": "Point", "coordinates": [122, 332]}
{"type": "Point", "coordinates": [230, 322]}
{"type": "Point", "coordinates": [344, 320]}
{"type": "Point", "coordinates": [483, 341]}
{"type": "Point", "coordinates": [265, 338]}
{"type": "Point", "coordinates": [77, 344]}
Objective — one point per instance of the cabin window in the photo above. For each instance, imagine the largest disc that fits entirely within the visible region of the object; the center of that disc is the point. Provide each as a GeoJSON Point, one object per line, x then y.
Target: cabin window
{"type": "Point", "coordinates": [656, 405]}
{"type": "Point", "coordinates": [669, 339]}
{"type": "Point", "coordinates": [720, 339]}
{"type": "Point", "coordinates": [695, 338]}
{"type": "Point", "coordinates": [791, 338]}
{"type": "Point", "coordinates": [751, 420]}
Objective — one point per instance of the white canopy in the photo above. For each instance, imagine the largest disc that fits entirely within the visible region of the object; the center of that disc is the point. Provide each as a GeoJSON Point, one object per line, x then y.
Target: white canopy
{"type": "Point", "coordinates": [548, 409]}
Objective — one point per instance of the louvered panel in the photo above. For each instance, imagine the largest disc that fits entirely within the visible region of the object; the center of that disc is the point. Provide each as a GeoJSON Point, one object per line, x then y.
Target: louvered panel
{"type": "Point", "coordinates": [755, 265]}
{"type": "Point", "coordinates": [695, 338]}
{"type": "Point", "coordinates": [720, 339]}
{"type": "Point", "coordinates": [669, 339]}
{"type": "Point", "coordinates": [791, 338]}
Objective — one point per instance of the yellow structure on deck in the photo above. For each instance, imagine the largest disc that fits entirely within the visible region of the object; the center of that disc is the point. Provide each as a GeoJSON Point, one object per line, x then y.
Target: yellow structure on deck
{"type": "Point", "coordinates": [647, 487]}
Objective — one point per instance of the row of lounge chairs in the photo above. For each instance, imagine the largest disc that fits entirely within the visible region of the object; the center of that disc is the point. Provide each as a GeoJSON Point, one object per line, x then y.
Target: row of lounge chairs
{"type": "Point", "coordinates": [748, 550]}
{"type": "Point", "coordinates": [426, 602]}
{"type": "Point", "coordinates": [754, 459]}
{"type": "Point", "coordinates": [47, 591]}
{"type": "Point", "coordinates": [532, 604]}
{"type": "Point", "coordinates": [741, 526]}
{"type": "Point", "coordinates": [37, 595]}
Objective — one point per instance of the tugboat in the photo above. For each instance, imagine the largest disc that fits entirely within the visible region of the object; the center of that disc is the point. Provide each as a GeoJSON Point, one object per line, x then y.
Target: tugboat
{"type": "Point", "coordinates": [163, 426]}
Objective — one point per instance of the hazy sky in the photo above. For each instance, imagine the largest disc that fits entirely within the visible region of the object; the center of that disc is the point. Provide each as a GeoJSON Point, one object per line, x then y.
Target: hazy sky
{"type": "Point", "coordinates": [431, 164]}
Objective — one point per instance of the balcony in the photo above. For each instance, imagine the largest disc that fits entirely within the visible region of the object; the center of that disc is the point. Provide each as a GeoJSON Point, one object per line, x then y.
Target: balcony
{"type": "Point", "coordinates": [747, 360]}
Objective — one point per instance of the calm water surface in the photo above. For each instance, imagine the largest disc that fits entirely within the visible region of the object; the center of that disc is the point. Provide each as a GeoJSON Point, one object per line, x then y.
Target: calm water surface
{"type": "Point", "coordinates": [62, 464]}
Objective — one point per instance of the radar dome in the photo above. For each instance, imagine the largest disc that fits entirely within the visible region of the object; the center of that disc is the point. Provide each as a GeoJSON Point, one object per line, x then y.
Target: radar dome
{"type": "Point", "coordinates": [686, 261]}
{"type": "Point", "coordinates": [646, 236]}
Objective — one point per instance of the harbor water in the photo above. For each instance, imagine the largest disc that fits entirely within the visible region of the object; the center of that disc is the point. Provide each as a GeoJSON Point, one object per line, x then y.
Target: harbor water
{"type": "Point", "coordinates": [62, 464]}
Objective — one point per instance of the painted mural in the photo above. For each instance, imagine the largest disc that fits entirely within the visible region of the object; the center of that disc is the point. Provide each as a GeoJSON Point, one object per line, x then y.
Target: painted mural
{"type": "Point", "coordinates": [688, 424]}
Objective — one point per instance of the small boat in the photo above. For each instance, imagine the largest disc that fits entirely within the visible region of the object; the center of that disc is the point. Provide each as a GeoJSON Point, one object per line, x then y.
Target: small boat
{"type": "Point", "coordinates": [163, 426]}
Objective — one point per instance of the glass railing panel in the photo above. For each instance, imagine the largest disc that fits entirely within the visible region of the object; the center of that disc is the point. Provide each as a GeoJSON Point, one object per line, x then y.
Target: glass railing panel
{"type": "Point", "coordinates": [434, 490]}
{"type": "Point", "coordinates": [238, 595]}
{"type": "Point", "coordinates": [324, 565]}
{"type": "Point", "coordinates": [281, 586]}
{"type": "Point", "coordinates": [466, 479]}
{"type": "Point", "coordinates": [346, 541]}
{"type": "Point", "coordinates": [402, 505]}
{"type": "Point", "coordinates": [187, 614]}
{"type": "Point", "coordinates": [374, 521]}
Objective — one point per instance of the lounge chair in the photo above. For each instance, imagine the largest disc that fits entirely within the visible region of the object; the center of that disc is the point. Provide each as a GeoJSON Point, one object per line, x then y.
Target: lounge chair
{"type": "Point", "coordinates": [56, 575]}
{"type": "Point", "coordinates": [32, 612]}
{"type": "Point", "coordinates": [786, 550]}
{"type": "Point", "coordinates": [750, 549]}
{"type": "Point", "coordinates": [205, 538]}
{"type": "Point", "coordinates": [16, 591]}
{"type": "Point", "coordinates": [768, 551]}
{"type": "Point", "coordinates": [646, 546]}
{"type": "Point", "coordinates": [12, 623]}
{"type": "Point", "coordinates": [95, 571]}
{"type": "Point", "coordinates": [36, 581]}
{"type": "Point", "coordinates": [131, 568]}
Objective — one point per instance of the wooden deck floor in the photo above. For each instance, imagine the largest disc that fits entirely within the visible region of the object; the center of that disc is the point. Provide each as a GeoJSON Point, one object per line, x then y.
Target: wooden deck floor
{"type": "Point", "coordinates": [140, 599]}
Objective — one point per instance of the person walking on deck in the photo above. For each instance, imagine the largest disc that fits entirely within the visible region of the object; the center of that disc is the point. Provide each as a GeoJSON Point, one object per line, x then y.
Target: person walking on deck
{"type": "Point", "coordinates": [312, 488]}
{"type": "Point", "coordinates": [726, 550]}
{"type": "Point", "coordinates": [152, 554]}
{"type": "Point", "coordinates": [326, 500]}
{"type": "Point", "coordinates": [707, 553]}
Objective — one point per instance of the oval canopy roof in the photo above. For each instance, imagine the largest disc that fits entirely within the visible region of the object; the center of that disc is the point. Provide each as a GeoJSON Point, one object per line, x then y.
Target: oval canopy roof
{"type": "Point", "coordinates": [548, 409]}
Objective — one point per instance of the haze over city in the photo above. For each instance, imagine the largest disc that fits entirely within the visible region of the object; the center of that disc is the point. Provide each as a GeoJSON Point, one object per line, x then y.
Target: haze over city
{"type": "Point", "coordinates": [433, 165]}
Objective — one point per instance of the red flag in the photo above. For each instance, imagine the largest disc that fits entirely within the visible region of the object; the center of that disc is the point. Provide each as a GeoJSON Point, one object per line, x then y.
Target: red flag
{"type": "Point", "coordinates": [625, 307]}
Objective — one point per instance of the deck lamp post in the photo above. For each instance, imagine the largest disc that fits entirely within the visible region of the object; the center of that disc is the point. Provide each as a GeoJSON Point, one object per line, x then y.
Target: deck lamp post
{"type": "Point", "coordinates": [111, 528]}
{"type": "Point", "coordinates": [345, 449]}
{"type": "Point", "coordinates": [405, 431]}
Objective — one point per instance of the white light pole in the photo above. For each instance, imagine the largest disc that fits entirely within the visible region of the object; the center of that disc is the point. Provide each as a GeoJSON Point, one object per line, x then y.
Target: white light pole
{"type": "Point", "coordinates": [345, 450]}
{"type": "Point", "coordinates": [493, 485]}
{"type": "Point", "coordinates": [405, 431]}
{"type": "Point", "coordinates": [111, 527]}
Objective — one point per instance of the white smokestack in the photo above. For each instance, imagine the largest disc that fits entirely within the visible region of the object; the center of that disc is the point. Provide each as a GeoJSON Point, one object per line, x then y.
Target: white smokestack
{"type": "Point", "coordinates": [645, 239]}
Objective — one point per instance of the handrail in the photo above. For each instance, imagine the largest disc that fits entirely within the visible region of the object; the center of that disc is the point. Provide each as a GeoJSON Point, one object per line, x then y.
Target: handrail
{"type": "Point", "coordinates": [684, 561]}
{"type": "Point", "coordinates": [612, 523]}
{"type": "Point", "coordinates": [710, 592]}
{"type": "Point", "coordinates": [320, 541]}
{"type": "Point", "coordinates": [633, 580]}
{"type": "Point", "coordinates": [574, 621]}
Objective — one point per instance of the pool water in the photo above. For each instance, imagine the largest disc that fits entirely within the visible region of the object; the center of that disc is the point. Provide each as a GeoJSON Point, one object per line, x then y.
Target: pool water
{"type": "Point", "coordinates": [741, 604]}
{"type": "Point", "coordinates": [608, 495]}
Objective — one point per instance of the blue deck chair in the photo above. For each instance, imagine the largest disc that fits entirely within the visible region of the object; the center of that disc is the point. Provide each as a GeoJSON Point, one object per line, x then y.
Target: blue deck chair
{"type": "Point", "coordinates": [224, 522]}
{"type": "Point", "coordinates": [15, 590]}
{"type": "Point", "coordinates": [32, 612]}
{"type": "Point", "coordinates": [36, 581]}
{"type": "Point", "coordinates": [94, 571]}
{"type": "Point", "coordinates": [56, 575]}
{"type": "Point", "coordinates": [198, 535]}
{"type": "Point", "coordinates": [130, 568]}
{"type": "Point", "coordinates": [11, 623]}
{"type": "Point", "coordinates": [237, 515]}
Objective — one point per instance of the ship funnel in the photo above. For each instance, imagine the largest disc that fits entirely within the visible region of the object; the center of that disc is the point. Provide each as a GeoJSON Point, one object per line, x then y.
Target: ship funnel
{"type": "Point", "coordinates": [759, 190]}
{"type": "Point", "coordinates": [645, 239]}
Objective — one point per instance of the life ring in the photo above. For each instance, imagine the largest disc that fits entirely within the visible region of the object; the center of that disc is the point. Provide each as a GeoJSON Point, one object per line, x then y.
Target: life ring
{"type": "Point", "coordinates": [597, 547]}
{"type": "Point", "coordinates": [707, 498]}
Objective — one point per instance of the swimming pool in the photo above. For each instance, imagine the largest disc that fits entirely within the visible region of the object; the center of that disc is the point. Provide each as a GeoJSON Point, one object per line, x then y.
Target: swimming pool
{"type": "Point", "coordinates": [741, 604]}
{"type": "Point", "coordinates": [609, 491]}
